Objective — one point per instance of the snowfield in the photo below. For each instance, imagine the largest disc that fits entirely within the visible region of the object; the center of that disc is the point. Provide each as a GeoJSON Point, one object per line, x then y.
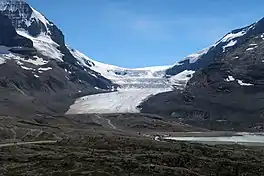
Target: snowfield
{"type": "Point", "coordinates": [122, 101]}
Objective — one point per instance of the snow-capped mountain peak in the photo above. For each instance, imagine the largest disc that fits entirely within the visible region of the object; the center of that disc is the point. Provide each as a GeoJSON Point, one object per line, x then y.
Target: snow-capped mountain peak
{"type": "Point", "coordinates": [24, 16]}
{"type": "Point", "coordinates": [33, 25]}
{"type": "Point", "coordinates": [44, 40]}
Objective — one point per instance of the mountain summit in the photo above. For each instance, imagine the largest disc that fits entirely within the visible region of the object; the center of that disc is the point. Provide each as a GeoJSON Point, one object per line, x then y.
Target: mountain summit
{"type": "Point", "coordinates": [36, 63]}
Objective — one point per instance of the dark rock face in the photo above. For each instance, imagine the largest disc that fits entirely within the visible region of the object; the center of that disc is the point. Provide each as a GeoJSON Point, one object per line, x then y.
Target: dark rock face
{"type": "Point", "coordinates": [225, 93]}
{"type": "Point", "coordinates": [8, 35]}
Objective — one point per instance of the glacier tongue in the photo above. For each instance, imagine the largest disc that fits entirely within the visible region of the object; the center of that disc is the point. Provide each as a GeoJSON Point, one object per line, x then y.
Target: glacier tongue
{"type": "Point", "coordinates": [121, 101]}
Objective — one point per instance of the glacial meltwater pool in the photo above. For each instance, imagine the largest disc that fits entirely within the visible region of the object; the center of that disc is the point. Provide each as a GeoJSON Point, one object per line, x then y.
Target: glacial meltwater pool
{"type": "Point", "coordinates": [237, 138]}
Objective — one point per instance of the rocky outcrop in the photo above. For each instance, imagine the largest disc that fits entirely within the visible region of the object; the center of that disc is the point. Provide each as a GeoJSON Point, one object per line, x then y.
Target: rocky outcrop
{"type": "Point", "coordinates": [9, 37]}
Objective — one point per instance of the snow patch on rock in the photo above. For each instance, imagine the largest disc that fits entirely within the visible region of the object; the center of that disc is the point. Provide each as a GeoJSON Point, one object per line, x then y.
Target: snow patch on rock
{"type": "Point", "coordinates": [45, 69]}
{"type": "Point", "coordinates": [244, 84]}
{"type": "Point", "coordinates": [44, 44]}
{"type": "Point", "coordinates": [195, 56]}
{"type": "Point", "coordinates": [26, 68]}
{"type": "Point", "coordinates": [230, 44]}
{"type": "Point", "coordinates": [251, 48]}
{"type": "Point", "coordinates": [230, 78]}
{"type": "Point", "coordinates": [180, 80]}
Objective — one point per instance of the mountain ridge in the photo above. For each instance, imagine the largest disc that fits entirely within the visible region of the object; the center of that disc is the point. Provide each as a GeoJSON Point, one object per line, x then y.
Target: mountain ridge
{"type": "Point", "coordinates": [226, 90]}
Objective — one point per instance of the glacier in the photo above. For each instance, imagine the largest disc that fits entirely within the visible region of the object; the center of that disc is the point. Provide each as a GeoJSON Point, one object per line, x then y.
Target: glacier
{"type": "Point", "coordinates": [135, 86]}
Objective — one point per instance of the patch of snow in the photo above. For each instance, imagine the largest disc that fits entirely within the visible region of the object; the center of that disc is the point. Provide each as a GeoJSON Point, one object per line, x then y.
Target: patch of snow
{"type": "Point", "coordinates": [19, 63]}
{"type": "Point", "coordinates": [244, 84]}
{"type": "Point", "coordinates": [252, 48]}
{"type": "Point", "coordinates": [194, 57]}
{"type": "Point", "coordinates": [44, 44]}
{"type": "Point", "coordinates": [182, 78]}
{"type": "Point", "coordinates": [178, 63]}
{"type": "Point", "coordinates": [36, 61]}
{"type": "Point", "coordinates": [36, 76]}
{"type": "Point", "coordinates": [45, 69]}
{"type": "Point", "coordinates": [231, 36]}
{"type": "Point", "coordinates": [221, 120]}
{"type": "Point", "coordinates": [157, 138]}
{"type": "Point", "coordinates": [230, 78]}
{"type": "Point", "coordinates": [252, 44]}
{"type": "Point", "coordinates": [230, 44]}
{"type": "Point", "coordinates": [26, 68]}
{"type": "Point", "coordinates": [65, 70]}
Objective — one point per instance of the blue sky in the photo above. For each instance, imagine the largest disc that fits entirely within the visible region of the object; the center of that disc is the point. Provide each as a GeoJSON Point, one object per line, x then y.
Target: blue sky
{"type": "Point", "coordinates": [137, 33]}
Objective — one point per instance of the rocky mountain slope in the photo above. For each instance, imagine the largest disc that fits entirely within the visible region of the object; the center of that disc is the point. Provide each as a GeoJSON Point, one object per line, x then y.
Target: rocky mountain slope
{"type": "Point", "coordinates": [226, 91]}
{"type": "Point", "coordinates": [38, 72]}
{"type": "Point", "coordinates": [49, 42]}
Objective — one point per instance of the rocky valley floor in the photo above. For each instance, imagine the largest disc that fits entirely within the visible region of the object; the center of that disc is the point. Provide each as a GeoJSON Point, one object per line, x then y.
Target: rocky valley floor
{"type": "Point", "coordinates": [107, 155]}
{"type": "Point", "coordinates": [115, 144]}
